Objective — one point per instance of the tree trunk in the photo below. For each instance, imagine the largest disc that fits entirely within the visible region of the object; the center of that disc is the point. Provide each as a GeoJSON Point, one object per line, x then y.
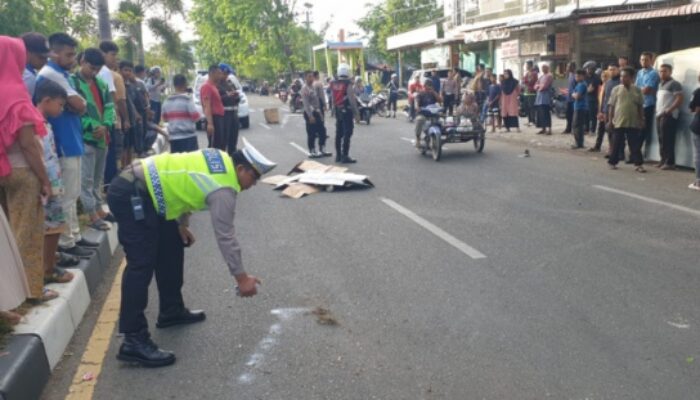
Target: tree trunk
{"type": "Point", "coordinates": [103, 20]}
{"type": "Point", "coordinates": [140, 53]}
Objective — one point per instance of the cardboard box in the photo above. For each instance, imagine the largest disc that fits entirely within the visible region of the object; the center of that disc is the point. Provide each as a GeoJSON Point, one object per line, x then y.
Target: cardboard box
{"type": "Point", "coordinates": [272, 115]}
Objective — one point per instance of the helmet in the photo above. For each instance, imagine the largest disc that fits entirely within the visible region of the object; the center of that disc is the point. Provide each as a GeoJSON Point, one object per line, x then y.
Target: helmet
{"type": "Point", "coordinates": [394, 76]}
{"type": "Point", "coordinates": [343, 71]}
{"type": "Point", "coordinates": [226, 68]}
{"type": "Point", "coordinates": [155, 69]}
{"type": "Point", "coordinates": [358, 79]}
{"type": "Point", "coordinates": [590, 64]}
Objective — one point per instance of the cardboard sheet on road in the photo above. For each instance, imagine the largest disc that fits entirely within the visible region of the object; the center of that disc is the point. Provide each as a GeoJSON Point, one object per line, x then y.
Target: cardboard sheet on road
{"type": "Point", "coordinates": [309, 177]}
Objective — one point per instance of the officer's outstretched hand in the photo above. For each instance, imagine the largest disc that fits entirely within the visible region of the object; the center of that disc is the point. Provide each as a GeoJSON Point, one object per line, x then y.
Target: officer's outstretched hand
{"type": "Point", "coordinates": [247, 284]}
{"type": "Point", "coordinates": [186, 235]}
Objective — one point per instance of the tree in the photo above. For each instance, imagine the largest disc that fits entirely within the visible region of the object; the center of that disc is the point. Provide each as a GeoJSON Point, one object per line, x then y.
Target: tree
{"type": "Point", "coordinates": [131, 16]}
{"type": "Point", "coordinates": [47, 16]}
{"type": "Point", "coordinates": [103, 21]}
{"type": "Point", "coordinates": [397, 16]}
{"type": "Point", "coordinates": [260, 37]}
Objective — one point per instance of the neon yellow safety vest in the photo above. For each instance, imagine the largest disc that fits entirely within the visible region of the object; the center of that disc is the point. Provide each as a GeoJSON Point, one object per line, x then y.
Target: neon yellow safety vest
{"type": "Point", "coordinates": [180, 182]}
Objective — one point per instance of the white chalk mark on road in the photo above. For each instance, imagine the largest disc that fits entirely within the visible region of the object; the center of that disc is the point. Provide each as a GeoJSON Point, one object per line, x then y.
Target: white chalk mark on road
{"type": "Point", "coordinates": [266, 126]}
{"type": "Point", "coordinates": [650, 200]}
{"type": "Point", "coordinates": [264, 347]}
{"type": "Point", "coordinates": [296, 146]}
{"type": "Point", "coordinates": [458, 244]}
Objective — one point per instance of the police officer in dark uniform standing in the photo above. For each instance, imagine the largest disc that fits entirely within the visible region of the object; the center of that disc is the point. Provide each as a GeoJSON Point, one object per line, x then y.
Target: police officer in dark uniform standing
{"type": "Point", "coordinates": [230, 99]}
{"type": "Point", "coordinates": [151, 201]}
{"type": "Point", "coordinates": [346, 113]}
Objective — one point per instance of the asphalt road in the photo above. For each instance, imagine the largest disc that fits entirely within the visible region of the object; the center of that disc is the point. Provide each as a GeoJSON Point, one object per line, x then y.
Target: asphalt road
{"type": "Point", "coordinates": [585, 292]}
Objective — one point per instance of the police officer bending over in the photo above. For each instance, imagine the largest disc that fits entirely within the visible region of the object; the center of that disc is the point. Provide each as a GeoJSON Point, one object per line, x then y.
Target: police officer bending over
{"type": "Point", "coordinates": [151, 201]}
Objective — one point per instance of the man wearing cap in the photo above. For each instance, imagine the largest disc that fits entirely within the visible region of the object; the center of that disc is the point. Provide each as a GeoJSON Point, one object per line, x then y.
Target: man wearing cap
{"type": "Point", "coordinates": [151, 200]}
{"type": "Point", "coordinates": [230, 99]}
{"type": "Point", "coordinates": [37, 54]}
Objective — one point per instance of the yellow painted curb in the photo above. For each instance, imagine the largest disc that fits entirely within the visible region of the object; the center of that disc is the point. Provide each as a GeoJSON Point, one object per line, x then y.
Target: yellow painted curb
{"type": "Point", "coordinates": [85, 378]}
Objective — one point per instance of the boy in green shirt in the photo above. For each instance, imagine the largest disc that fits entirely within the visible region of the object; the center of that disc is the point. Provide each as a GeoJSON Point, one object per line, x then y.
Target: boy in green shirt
{"type": "Point", "coordinates": [96, 122]}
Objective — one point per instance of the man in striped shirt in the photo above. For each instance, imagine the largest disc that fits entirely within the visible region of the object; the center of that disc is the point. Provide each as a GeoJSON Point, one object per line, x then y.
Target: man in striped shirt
{"type": "Point", "coordinates": [179, 112]}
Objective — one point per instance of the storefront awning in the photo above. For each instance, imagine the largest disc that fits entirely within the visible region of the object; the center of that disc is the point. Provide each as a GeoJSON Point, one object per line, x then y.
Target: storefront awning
{"type": "Point", "coordinates": [415, 38]}
{"type": "Point", "coordinates": [540, 17]}
{"type": "Point", "coordinates": [680, 11]}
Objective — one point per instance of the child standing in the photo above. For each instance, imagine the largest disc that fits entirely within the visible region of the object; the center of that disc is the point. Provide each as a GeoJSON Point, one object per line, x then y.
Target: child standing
{"type": "Point", "coordinates": [580, 109]}
{"type": "Point", "coordinates": [179, 111]}
{"type": "Point", "coordinates": [51, 98]}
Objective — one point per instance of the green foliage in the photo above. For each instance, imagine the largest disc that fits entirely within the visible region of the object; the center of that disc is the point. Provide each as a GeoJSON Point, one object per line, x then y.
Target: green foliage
{"type": "Point", "coordinates": [259, 37]}
{"type": "Point", "coordinates": [48, 16]}
{"type": "Point", "coordinates": [131, 16]}
{"type": "Point", "coordinates": [393, 17]}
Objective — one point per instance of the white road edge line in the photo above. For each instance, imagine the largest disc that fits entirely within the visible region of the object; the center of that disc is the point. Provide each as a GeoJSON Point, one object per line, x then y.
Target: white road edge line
{"type": "Point", "coordinates": [650, 200]}
{"type": "Point", "coordinates": [458, 244]}
{"type": "Point", "coordinates": [266, 126]}
{"type": "Point", "coordinates": [296, 146]}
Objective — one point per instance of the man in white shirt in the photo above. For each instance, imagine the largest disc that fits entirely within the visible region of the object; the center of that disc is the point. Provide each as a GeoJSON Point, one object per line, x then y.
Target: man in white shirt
{"type": "Point", "coordinates": [669, 98]}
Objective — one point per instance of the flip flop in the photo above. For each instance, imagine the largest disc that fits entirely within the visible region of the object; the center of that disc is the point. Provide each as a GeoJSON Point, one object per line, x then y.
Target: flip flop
{"type": "Point", "coordinates": [59, 275]}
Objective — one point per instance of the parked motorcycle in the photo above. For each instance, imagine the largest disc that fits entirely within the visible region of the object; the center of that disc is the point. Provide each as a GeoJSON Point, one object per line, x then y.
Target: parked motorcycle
{"type": "Point", "coordinates": [363, 105]}
{"type": "Point", "coordinates": [378, 104]}
{"type": "Point", "coordinates": [295, 102]}
{"type": "Point", "coordinates": [559, 102]}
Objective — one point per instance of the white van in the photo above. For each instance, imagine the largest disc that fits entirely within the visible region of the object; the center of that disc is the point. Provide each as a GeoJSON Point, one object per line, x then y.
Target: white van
{"type": "Point", "coordinates": [685, 70]}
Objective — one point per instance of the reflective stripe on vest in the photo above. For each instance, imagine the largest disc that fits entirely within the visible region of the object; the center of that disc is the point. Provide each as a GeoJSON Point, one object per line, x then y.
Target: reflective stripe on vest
{"type": "Point", "coordinates": [180, 183]}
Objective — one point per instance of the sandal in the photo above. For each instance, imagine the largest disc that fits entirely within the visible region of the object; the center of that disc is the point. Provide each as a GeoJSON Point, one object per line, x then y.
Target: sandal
{"type": "Point", "coordinates": [59, 275]}
{"type": "Point", "coordinates": [12, 318]}
{"type": "Point", "coordinates": [46, 295]}
{"type": "Point", "coordinates": [640, 169]}
{"type": "Point", "coordinates": [100, 225]}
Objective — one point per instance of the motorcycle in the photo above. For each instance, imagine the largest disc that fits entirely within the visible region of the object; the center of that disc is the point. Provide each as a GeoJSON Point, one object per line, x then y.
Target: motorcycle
{"type": "Point", "coordinates": [282, 95]}
{"type": "Point", "coordinates": [378, 104]}
{"type": "Point", "coordinates": [439, 129]}
{"type": "Point", "coordinates": [295, 102]}
{"type": "Point", "coordinates": [363, 105]}
{"type": "Point", "coordinates": [560, 102]}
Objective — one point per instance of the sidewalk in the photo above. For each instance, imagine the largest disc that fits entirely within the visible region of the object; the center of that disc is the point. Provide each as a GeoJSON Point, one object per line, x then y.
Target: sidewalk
{"type": "Point", "coordinates": [37, 344]}
{"type": "Point", "coordinates": [529, 136]}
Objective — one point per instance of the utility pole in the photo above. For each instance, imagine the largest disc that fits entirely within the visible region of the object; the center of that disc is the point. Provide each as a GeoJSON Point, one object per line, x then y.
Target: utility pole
{"type": "Point", "coordinates": [308, 7]}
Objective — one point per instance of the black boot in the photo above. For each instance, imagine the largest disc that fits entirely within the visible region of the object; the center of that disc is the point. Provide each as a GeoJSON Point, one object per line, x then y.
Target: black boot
{"type": "Point", "coordinates": [346, 153]}
{"type": "Point", "coordinates": [182, 317]}
{"type": "Point", "coordinates": [139, 348]}
{"type": "Point", "coordinates": [338, 153]}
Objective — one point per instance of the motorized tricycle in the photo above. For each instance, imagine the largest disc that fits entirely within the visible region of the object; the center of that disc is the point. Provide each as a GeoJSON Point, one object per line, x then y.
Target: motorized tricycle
{"type": "Point", "coordinates": [439, 130]}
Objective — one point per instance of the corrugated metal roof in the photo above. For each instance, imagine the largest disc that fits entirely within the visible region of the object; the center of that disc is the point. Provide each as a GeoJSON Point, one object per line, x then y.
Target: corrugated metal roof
{"type": "Point", "coordinates": [680, 11]}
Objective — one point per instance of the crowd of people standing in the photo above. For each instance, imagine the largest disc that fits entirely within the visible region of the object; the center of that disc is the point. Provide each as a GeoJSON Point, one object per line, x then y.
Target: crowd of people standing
{"type": "Point", "coordinates": [70, 120]}
{"type": "Point", "coordinates": [610, 100]}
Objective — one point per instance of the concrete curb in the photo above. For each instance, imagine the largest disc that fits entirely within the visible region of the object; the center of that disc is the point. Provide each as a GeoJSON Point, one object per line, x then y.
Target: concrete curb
{"type": "Point", "coordinates": [41, 338]}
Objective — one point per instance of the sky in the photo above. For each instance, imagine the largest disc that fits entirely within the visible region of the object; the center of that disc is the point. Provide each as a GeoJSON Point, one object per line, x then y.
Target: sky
{"type": "Point", "coordinates": [341, 14]}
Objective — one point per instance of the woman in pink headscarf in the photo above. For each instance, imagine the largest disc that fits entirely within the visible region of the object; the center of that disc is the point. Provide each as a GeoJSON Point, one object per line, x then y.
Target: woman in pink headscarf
{"type": "Point", "coordinates": [23, 183]}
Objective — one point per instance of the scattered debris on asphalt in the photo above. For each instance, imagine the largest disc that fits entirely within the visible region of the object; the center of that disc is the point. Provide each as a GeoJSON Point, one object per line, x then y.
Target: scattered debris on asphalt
{"type": "Point", "coordinates": [310, 177]}
{"type": "Point", "coordinates": [88, 376]}
{"type": "Point", "coordinates": [324, 316]}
